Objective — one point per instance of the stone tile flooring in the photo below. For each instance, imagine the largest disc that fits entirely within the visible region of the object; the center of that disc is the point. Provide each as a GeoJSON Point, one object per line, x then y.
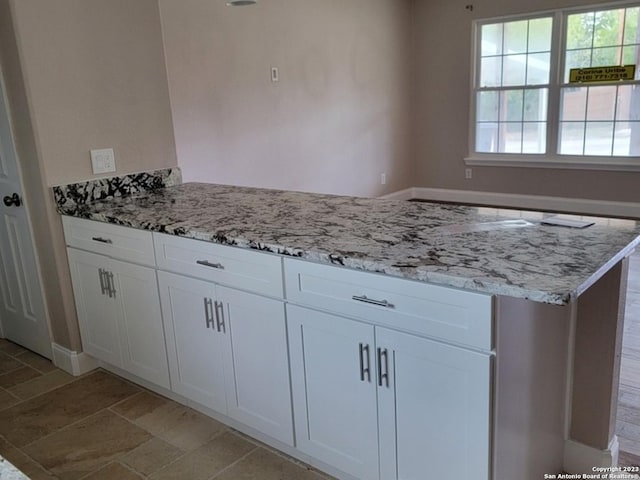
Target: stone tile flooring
{"type": "Point", "coordinates": [628, 420]}
{"type": "Point", "coordinates": [101, 427]}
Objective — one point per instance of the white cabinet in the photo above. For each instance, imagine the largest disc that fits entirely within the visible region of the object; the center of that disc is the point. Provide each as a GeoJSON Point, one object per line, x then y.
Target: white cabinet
{"type": "Point", "coordinates": [334, 390]}
{"type": "Point", "coordinates": [380, 404]}
{"type": "Point", "coordinates": [96, 310]}
{"type": "Point", "coordinates": [119, 314]}
{"type": "Point", "coordinates": [434, 408]}
{"type": "Point", "coordinates": [228, 351]}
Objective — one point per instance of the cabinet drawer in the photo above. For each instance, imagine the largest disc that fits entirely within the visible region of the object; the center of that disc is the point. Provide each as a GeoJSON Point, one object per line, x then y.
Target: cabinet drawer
{"type": "Point", "coordinates": [235, 267]}
{"type": "Point", "coordinates": [446, 313]}
{"type": "Point", "coordinates": [118, 242]}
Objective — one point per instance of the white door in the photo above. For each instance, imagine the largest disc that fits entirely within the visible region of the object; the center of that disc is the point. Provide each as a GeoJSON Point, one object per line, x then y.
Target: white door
{"type": "Point", "coordinates": [196, 350]}
{"type": "Point", "coordinates": [257, 366]}
{"type": "Point", "coordinates": [334, 390]}
{"type": "Point", "coordinates": [433, 408]}
{"type": "Point", "coordinates": [135, 292]}
{"type": "Point", "coordinates": [95, 306]}
{"type": "Point", "coordinates": [22, 312]}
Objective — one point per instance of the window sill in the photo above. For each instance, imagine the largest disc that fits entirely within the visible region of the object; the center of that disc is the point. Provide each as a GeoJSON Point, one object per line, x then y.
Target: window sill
{"type": "Point", "coordinates": [615, 164]}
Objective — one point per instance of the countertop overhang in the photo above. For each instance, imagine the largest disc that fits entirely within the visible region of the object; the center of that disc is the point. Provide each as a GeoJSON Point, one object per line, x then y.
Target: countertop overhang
{"type": "Point", "coordinates": [474, 248]}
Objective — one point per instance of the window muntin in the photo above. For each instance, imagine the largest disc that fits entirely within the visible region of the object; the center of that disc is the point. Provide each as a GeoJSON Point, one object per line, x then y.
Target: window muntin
{"type": "Point", "coordinates": [515, 83]}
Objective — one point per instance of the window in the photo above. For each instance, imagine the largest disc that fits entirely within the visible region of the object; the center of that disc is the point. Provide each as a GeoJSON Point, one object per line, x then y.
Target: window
{"type": "Point", "coordinates": [527, 106]}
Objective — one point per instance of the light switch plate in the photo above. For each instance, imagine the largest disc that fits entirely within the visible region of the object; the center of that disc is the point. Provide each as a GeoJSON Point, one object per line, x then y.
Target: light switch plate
{"type": "Point", "coordinates": [103, 161]}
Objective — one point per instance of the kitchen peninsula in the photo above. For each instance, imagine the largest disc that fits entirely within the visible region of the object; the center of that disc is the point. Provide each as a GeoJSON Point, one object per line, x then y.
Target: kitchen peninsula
{"type": "Point", "coordinates": [538, 312]}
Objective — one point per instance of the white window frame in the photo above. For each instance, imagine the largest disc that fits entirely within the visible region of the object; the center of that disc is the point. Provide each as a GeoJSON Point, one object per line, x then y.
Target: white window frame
{"type": "Point", "coordinates": [551, 159]}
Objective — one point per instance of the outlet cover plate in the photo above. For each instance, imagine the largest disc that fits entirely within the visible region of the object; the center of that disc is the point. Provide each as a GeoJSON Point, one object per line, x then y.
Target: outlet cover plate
{"type": "Point", "coordinates": [103, 161]}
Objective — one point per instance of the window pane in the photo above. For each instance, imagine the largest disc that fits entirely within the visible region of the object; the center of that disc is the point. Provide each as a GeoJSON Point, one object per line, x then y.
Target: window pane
{"type": "Point", "coordinates": [513, 104]}
{"type": "Point", "coordinates": [580, 30]}
{"type": "Point", "coordinates": [577, 59]}
{"type": "Point", "coordinates": [627, 94]}
{"type": "Point", "coordinates": [598, 138]}
{"type": "Point", "coordinates": [540, 35]}
{"type": "Point", "coordinates": [574, 104]}
{"type": "Point", "coordinates": [631, 56]}
{"type": "Point", "coordinates": [601, 103]}
{"type": "Point", "coordinates": [491, 72]}
{"type": "Point", "coordinates": [571, 138]}
{"type": "Point", "coordinates": [515, 68]}
{"type": "Point", "coordinates": [621, 142]}
{"type": "Point", "coordinates": [535, 105]}
{"type": "Point", "coordinates": [628, 139]}
{"type": "Point", "coordinates": [608, 28]}
{"type": "Point", "coordinates": [487, 107]}
{"type": "Point", "coordinates": [492, 39]}
{"type": "Point", "coordinates": [534, 137]}
{"type": "Point", "coordinates": [515, 37]}
{"type": "Point", "coordinates": [631, 26]}
{"type": "Point", "coordinates": [605, 57]}
{"type": "Point", "coordinates": [538, 67]}
{"type": "Point", "coordinates": [512, 134]}
{"type": "Point", "coordinates": [487, 137]}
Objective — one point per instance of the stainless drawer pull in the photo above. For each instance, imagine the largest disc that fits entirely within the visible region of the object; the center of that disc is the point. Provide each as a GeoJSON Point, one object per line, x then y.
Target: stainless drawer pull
{"type": "Point", "coordinates": [102, 240]}
{"type": "Point", "coordinates": [379, 303]}
{"type": "Point", "coordinates": [365, 370]}
{"type": "Point", "coordinates": [103, 286]}
{"type": "Point", "coordinates": [383, 378]}
{"type": "Point", "coordinates": [111, 288]}
{"type": "Point", "coordinates": [208, 313]}
{"type": "Point", "coordinates": [220, 317]}
{"type": "Point", "coordinates": [206, 263]}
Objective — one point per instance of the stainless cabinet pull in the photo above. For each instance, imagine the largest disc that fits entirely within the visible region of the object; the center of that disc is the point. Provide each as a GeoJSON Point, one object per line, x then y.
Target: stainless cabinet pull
{"type": "Point", "coordinates": [379, 303]}
{"type": "Point", "coordinates": [383, 377]}
{"type": "Point", "coordinates": [103, 286]}
{"type": "Point", "coordinates": [110, 284]}
{"type": "Point", "coordinates": [365, 370]}
{"type": "Point", "coordinates": [206, 263]}
{"type": "Point", "coordinates": [220, 317]}
{"type": "Point", "coordinates": [208, 313]}
{"type": "Point", "coordinates": [102, 240]}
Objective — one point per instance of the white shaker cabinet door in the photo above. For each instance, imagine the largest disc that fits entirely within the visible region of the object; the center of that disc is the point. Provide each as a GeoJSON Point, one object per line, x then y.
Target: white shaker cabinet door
{"type": "Point", "coordinates": [96, 312]}
{"type": "Point", "coordinates": [196, 350]}
{"type": "Point", "coordinates": [257, 372]}
{"type": "Point", "coordinates": [144, 353]}
{"type": "Point", "coordinates": [434, 406]}
{"type": "Point", "coordinates": [334, 390]}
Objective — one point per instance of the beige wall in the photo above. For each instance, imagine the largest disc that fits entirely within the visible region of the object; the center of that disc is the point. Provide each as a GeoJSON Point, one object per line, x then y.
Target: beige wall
{"type": "Point", "coordinates": [81, 74]}
{"type": "Point", "coordinates": [442, 59]}
{"type": "Point", "coordinates": [337, 119]}
{"type": "Point", "coordinates": [96, 78]}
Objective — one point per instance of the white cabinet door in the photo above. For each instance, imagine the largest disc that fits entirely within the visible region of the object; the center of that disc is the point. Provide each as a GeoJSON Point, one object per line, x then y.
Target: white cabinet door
{"type": "Point", "coordinates": [257, 371]}
{"type": "Point", "coordinates": [135, 291]}
{"type": "Point", "coordinates": [433, 409]}
{"type": "Point", "coordinates": [96, 313]}
{"type": "Point", "coordinates": [196, 351]}
{"type": "Point", "coordinates": [334, 390]}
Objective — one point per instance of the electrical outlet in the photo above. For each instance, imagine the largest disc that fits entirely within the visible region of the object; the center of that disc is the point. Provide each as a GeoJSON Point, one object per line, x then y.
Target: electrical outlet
{"type": "Point", "coordinates": [468, 173]}
{"type": "Point", "coordinates": [103, 161]}
{"type": "Point", "coordinates": [275, 74]}
{"type": "Point", "coordinates": [383, 179]}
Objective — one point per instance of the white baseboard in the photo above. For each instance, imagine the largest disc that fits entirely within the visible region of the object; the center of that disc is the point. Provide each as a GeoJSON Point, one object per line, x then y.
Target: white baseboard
{"type": "Point", "coordinates": [581, 459]}
{"type": "Point", "coordinates": [72, 362]}
{"type": "Point", "coordinates": [533, 202]}
{"type": "Point", "coordinates": [406, 194]}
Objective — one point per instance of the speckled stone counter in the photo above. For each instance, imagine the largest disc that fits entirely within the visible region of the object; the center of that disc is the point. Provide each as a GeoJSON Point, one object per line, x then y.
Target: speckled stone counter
{"type": "Point", "coordinates": [9, 472]}
{"type": "Point", "coordinates": [418, 241]}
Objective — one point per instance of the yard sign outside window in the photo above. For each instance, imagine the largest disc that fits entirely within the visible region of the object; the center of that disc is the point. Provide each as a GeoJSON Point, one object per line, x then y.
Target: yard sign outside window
{"type": "Point", "coordinates": [525, 102]}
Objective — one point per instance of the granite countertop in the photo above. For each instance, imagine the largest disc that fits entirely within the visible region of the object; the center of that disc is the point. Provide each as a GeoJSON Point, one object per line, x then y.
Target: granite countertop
{"type": "Point", "coordinates": [9, 472]}
{"type": "Point", "coordinates": [503, 252]}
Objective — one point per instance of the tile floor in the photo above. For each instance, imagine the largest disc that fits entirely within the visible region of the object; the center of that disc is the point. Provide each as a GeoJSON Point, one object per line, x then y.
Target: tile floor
{"type": "Point", "coordinates": [628, 421]}
{"type": "Point", "coordinates": [101, 427]}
